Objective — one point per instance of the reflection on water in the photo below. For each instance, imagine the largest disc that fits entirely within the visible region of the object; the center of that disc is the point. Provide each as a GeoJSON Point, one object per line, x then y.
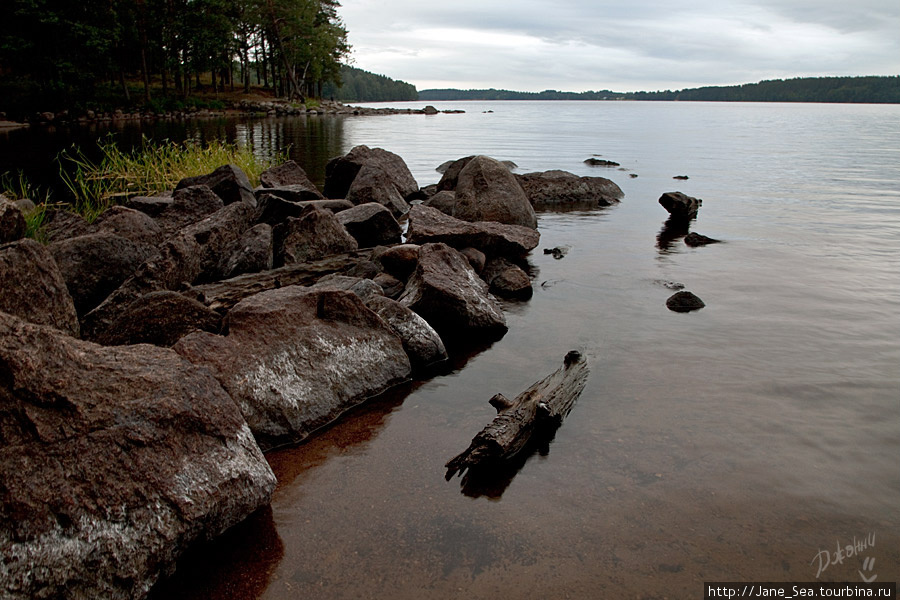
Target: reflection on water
{"type": "Point", "coordinates": [732, 443]}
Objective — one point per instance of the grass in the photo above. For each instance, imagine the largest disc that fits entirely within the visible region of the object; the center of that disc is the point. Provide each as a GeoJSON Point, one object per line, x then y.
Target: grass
{"type": "Point", "coordinates": [148, 170]}
{"type": "Point", "coordinates": [154, 167]}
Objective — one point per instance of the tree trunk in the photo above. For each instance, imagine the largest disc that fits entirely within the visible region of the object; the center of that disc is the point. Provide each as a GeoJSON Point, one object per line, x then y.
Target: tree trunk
{"type": "Point", "coordinates": [142, 31]}
{"type": "Point", "coordinates": [537, 411]}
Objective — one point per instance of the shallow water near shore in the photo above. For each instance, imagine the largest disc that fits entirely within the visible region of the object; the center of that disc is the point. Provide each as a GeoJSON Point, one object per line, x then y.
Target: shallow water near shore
{"type": "Point", "coordinates": [734, 443]}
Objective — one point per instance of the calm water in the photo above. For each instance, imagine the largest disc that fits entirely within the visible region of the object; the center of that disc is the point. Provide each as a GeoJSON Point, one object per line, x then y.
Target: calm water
{"type": "Point", "coordinates": [733, 443]}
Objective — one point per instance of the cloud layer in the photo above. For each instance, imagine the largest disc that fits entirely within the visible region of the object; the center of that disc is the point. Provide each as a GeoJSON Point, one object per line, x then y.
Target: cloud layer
{"type": "Point", "coordinates": [533, 45]}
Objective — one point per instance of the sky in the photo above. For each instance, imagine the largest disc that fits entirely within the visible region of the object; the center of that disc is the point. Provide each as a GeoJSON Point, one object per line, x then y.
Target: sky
{"type": "Point", "coordinates": [630, 45]}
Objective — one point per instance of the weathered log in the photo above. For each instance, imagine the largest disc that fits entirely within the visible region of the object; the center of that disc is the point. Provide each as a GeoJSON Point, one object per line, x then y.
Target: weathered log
{"type": "Point", "coordinates": [538, 410]}
{"type": "Point", "coordinates": [223, 295]}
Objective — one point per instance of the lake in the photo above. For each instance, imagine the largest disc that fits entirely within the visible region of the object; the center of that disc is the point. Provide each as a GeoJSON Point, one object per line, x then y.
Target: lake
{"type": "Point", "coordinates": [746, 441]}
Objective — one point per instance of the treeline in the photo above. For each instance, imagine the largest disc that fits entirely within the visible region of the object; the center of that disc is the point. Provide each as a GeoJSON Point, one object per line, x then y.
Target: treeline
{"type": "Point", "coordinates": [70, 53]}
{"type": "Point", "coordinates": [361, 86]}
{"type": "Point", "coordinates": [868, 89]}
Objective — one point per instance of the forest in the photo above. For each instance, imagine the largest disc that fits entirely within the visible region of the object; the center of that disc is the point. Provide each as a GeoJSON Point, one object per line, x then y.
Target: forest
{"type": "Point", "coordinates": [357, 85]}
{"type": "Point", "coordinates": [77, 55]}
{"type": "Point", "coordinates": [868, 89]}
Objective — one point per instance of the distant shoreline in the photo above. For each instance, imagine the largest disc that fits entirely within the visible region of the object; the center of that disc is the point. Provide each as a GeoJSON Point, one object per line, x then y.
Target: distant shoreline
{"type": "Point", "coordinates": [832, 90]}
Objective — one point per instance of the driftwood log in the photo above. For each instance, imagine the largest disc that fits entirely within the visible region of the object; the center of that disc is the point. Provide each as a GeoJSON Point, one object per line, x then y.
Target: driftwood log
{"type": "Point", "coordinates": [221, 296]}
{"type": "Point", "coordinates": [537, 411]}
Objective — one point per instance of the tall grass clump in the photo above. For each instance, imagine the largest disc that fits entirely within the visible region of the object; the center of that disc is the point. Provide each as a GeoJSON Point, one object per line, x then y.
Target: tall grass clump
{"type": "Point", "coordinates": [152, 168]}
{"type": "Point", "coordinates": [17, 187]}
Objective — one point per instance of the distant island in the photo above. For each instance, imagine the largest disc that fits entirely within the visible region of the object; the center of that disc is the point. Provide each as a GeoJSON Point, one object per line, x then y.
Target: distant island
{"type": "Point", "coordinates": [866, 90]}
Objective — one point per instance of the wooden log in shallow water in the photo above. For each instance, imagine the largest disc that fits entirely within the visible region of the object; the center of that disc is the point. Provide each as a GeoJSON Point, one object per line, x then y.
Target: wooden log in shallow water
{"type": "Point", "coordinates": [539, 409]}
{"type": "Point", "coordinates": [222, 295]}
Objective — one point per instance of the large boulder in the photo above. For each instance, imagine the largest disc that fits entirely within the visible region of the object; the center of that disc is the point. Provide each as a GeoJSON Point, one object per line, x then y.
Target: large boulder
{"type": "Point", "coordinates": [450, 173]}
{"type": "Point", "coordinates": [228, 182]}
{"type": "Point", "coordinates": [130, 224]}
{"type": "Point", "coordinates": [561, 189]}
{"type": "Point", "coordinates": [151, 206]}
{"type": "Point", "coordinates": [681, 207]}
{"type": "Point", "coordinates": [487, 191]}
{"type": "Point", "coordinates": [428, 224]}
{"type": "Point", "coordinates": [33, 288]}
{"type": "Point", "coordinates": [371, 224]}
{"type": "Point", "coordinates": [340, 172]}
{"type": "Point", "coordinates": [253, 253]}
{"type": "Point", "coordinates": [160, 318]}
{"type": "Point", "coordinates": [291, 193]}
{"type": "Point", "coordinates": [112, 461]}
{"type": "Point", "coordinates": [375, 185]}
{"type": "Point", "coordinates": [286, 174]}
{"type": "Point", "coordinates": [449, 295]}
{"type": "Point", "coordinates": [60, 224]}
{"type": "Point", "coordinates": [275, 209]}
{"type": "Point", "coordinates": [506, 279]}
{"type": "Point", "coordinates": [422, 343]}
{"type": "Point", "coordinates": [295, 359]}
{"type": "Point", "coordinates": [189, 205]}
{"type": "Point", "coordinates": [219, 235]}
{"type": "Point", "coordinates": [95, 265]}
{"type": "Point", "coordinates": [312, 236]}
{"type": "Point", "coordinates": [12, 222]}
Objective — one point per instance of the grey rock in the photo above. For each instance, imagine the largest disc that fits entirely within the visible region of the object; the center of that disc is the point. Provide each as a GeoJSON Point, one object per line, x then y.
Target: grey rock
{"type": "Point", "coordinates": [228, 182]}
{"type": "Point", "coordinates": [12, 222]}
{"type": "Point", "coordinates": [254, 252]}
{"type": "Point", "coordinates": [444, 201]}
{"type": "Point", "coordinates": [371, 224]}
{"type": "Point", "coordinates": [274, 209]}
{"type": "Point", "coordinates": [422, 343]}
{"type": "Point", "coordinates": [189, 205]}
{"type": "Point", "coordinates": [288, 173]}
{"type": "Point", "coordinates": [494, 239]}
{"type": "Point", "coordinates": [295, 359]}
{"type": "Point", "coordinates": [391, 287]}
{"type": "Point", "coordinates": [160, 318]}
{"type": "Point", "coordinates": [33, 288]}
{"type": "Point", "coordinates": [373, 184]}
{"type": "Point", "coordinates": [152, 206]}
{"type": "Point", "coordinates": [130, 224]}
{"type": "Point", "coordinates": [114, 461]}
{"type": "Point", "coordinates": [561, 189]}
{"type": "Point", "coordinates": [487, 191]}
{"type": "Point", "coordinates": [507, 280]}
{"type": "Point", "coordinates": [399, 260]}
{"type": "Point", "coordinates": [312, 236]}
{"type": "Point", "coordinates": [341, 172]}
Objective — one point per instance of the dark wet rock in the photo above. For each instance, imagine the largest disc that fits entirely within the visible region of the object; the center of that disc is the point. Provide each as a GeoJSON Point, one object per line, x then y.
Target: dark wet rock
{"type": "Point", "coordinates": [362, 287]}
{"type": "Point", "coordinates": [114, 461]}
{"type": "Point", "coordinates": [291, 193]}
{"type": "Point", "coordinates": [507, 280]}
{"type": "Point", "coordinates": [189, 205]}
{"type": "Point", "coordinates": [475, 257]}
{"type": "Point", "coordinates": [33, 288]}
{"type": "Point", "coordinates": [680, 206]}
{"type": "Point", "coordinates": [560, 189]}
{"type": "Point", "coordinates": [12, 222]}
{"type": "Point", "coordinates": [422, 343]}
{"type": "Point", "coordinates": [176, 264]}
{"type": "Point", "coordinates": [341, 172]}
{"type": "Point", "coordinates": [487, 191]}
{"type": "Point", "coordinates": [684, 302]}
{"type": "Point", "coordinates": [219, 236]}
{"type": "Point", "coordinates": [558, 252]}
{"type": "Point", "coordinates": [695, 239]}
{"type": "Point", "coordinates": [365, 269]}
{"type": "Point", "coordinates": [451, 171]}
{"type": "Point", "coordinates": [161, 318]}
{"type": "Point", "coordinates": [228, 182]}
{"type": "Point", "coordinates": [599, 162]}
{"type": "Point", "coordinates": [444, 201]}
{"type": "Point", "coordinates": [428, 191]}
{"type": "Point", "coordinates": [444, 166]}
{"type": "Point", "coordinates": [399, 261]}
{"type": "Point", "coordinates": [374, 185]}
{"type": "Point", "coordinates": [633, 175]}
{"type": "Point", "coordinates": [371, 224]}
{"type": "Point", "coordinates": [681, 177]}
{"type": "Point", "coordinates": [494, 239]}
{"type": "Point", "coordinates": [671, 285]}
{"type": "Point", "coordinates": [60, 224]}
{"type": "Point", "coordinates": [253, 254]}
{"type": "Point", "coordinates": [314, 235]}
{"type": "Point", "coordinates": [150, 205]}
{"type": "Point", "coordinates": [430, 110]}
{"type": "Point", "coordinates": [446, 292]}
{"type": "Point", "coordinates": [391, 287]}
{"type": "Point", "coordinates": [295, 359]}
{"type": "Point", "coordinates": [274, 209]}
{"type": "Point", "coordinates": [286, 174]}
{"type": "Point", "coordinates": [93, 266]}
{"type": "Point", "coordinates": [130, 224]}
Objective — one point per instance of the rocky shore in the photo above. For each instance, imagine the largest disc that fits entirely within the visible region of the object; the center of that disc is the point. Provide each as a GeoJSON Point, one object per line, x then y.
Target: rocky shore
{"type": "Point", "coordinates": [243, 108]}
{"type": "Point", "coordinates": [148, 359]}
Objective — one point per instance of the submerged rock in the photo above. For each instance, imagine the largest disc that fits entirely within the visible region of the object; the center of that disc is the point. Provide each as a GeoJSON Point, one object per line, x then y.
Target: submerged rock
{"type": "Point", "coordinates": [113, 461]}
{"type": "Point", "coordinates": [695, 239]}
{"type": "Point", "coordinates": [294, 359]}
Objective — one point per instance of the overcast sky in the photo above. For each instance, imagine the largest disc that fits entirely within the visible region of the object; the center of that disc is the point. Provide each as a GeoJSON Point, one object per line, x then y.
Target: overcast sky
{"type": "Point", "coordinates": [627, 45]}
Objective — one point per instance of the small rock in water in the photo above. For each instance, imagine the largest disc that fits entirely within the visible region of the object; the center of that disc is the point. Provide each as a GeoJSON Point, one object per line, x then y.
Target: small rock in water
{"type": "Point", "coordinates": [684, 302]}
{"type": "Point", "coordinates": [633, 175]}
{"type": "Point", "coordinates": [695, 239]}
{"type": "Point", "coordinates": [557, 252]}
{"type": "Point", "coordinates": [682, 177]}
{"type": "Point", "coordinates": [672, 285]}
{"type": "Point", "coordinates": [599, 162]}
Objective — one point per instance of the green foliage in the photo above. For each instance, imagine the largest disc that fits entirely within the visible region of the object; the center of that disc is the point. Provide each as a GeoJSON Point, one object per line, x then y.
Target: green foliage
{"type": "Point", "coordinates": [361, 86]}
{"type": "Point", "coordinates": [150, 169]}
{"type": "Point", "coordinates": [871, 89]}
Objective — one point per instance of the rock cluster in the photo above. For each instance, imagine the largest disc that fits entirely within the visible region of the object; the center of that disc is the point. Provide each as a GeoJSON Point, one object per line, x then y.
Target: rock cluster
{"type": "Point", "coordinates": [147, 358]}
